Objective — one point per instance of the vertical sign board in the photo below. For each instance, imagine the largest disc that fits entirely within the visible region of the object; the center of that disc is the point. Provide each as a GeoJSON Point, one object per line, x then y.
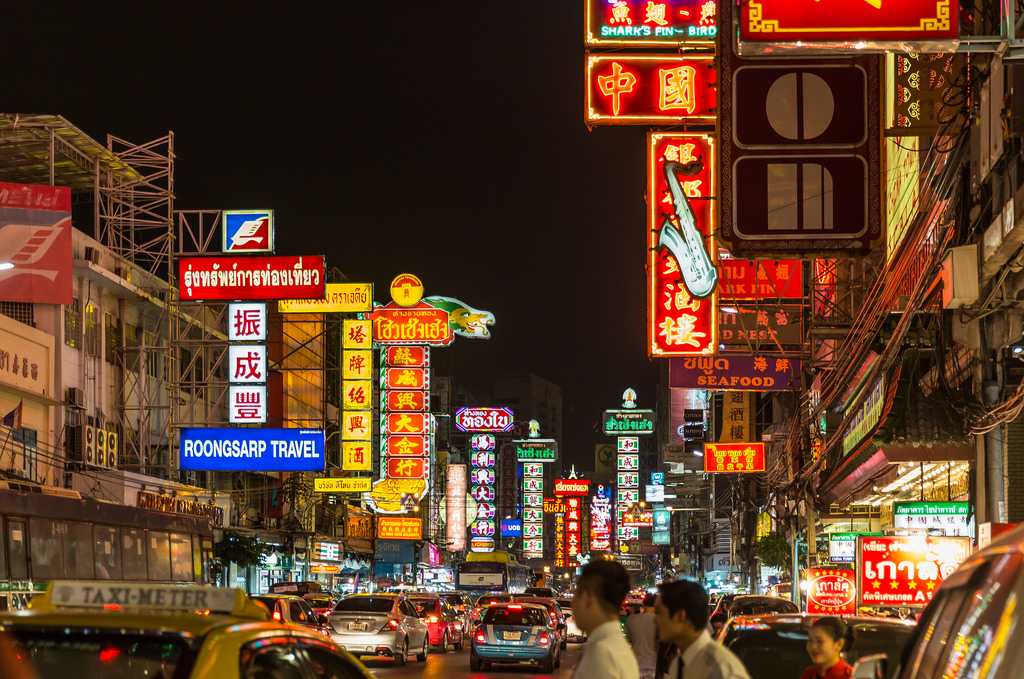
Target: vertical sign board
{"type": "Point", "coordinates": [682, 275]}
{"type": "Point", "coordinates": [483, 461]}
{"type": "Point", "coordinates": [533, 510]}
{"type": "Point", "coordinates": [801, 137]}
{"type": "Point", "coordinates": [455, 508]}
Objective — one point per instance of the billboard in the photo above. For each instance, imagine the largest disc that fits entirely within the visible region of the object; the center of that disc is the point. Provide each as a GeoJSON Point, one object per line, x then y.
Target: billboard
{"type": "Point", "coordinates": [634, 89]}
{"type": "Point", "coordinates": [682, 276]}
{"type": "Point", "coordinates": [338, 298]}
{"type": "Point", "coordinates": [640, 23]}
{"type": "Point", "coordinates": [732, 458]}
{"type": "Point", "coordinates": [906, 570]}
{"type": "Point", "coordinates": [737, 417]}
{"type": "Point", "coordinates": [617, 422]}
{"type": "Point", "coordinates": [250, 277]}
{"type": "Point", "coordinates": [455, 508]}
{"type": "Point", "coordinates": [231, 449]}
{"type": "Point", "coordinates": [35, 243]}
{"type": "Point", "coordinates": [247, 231]}
{"type": "Point", "coordinates": [421, 324]}
{"type": "Point", "coordinates": [832, 591]}
{"type": "Point", "coordinates": [511, 528]}
{"type": "Point", "coordinates": [399, 528]}
{"type": "Point", "coordinates": [743, 373]}
{"type": "Point", "coordinates": [574, 487]}
{"type": "Point", "coordinates": [496, 420]}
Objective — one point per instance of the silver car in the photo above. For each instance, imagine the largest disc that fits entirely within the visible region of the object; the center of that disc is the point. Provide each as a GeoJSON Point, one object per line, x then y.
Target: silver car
{"type": "Point", "coordinates": [381, 625]}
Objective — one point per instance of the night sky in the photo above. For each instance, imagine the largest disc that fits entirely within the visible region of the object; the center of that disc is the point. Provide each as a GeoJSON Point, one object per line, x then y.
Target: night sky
{"type": "Point", "coordinates": [441, 138]}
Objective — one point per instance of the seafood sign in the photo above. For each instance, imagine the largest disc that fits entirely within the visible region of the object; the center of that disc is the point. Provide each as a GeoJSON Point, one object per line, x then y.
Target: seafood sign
{"type": "Point", "coordinates": [906, 570]}
{"type": "Point", "coordinates": [251, 277]}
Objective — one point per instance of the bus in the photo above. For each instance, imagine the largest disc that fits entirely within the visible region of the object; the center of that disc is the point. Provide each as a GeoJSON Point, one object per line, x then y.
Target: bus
{"type": "Point", "coordinates": [493, 572]}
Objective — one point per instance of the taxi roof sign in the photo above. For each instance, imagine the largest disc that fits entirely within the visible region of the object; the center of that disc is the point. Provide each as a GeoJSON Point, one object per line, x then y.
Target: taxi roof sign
{"type": "Point", "coordinates": [126, 596]}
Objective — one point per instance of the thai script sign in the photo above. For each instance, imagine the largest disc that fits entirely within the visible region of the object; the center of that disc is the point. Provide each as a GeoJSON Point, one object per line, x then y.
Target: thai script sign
{"type": "Point", "coordinates": [731, 458]}
{"type": "Point", "coordinates": [231, 449]}
{"type": "Point", "coordinates": [536, 450]}
{"type": "Point", "coordinates": [745, 373]}
{"type": "Point", "coordinates": [252, 277]}
{"type": "Point", "coordinates": [338, 298]}
{"type": "Point", "coordinates": [833, 591]}
{"type": "Point", "coordinates": [421, 324]}
{"type": "Point", "coordinates": [628, 422]}
{"type": "Point", "coordinates": [753, 279]}
{"type": "Point", "coordinates": [575, 487]}
{"type": "Point", "coordinates": [399, 528]}
{"type": "Point", "coordinates": [353, 484]}
{"type": "Point", "coordinates": [496, 420]}
{"type": "Point", "coordinates": [650, 89]}
{"type": "Point", "coordinates": [181, 504]}
{"type": "Point", "coordinates": [906, 570]}
{"type": "Point", "coordinates": [642, 23]}
{"type": "Point", "coordinates": [952, 518]}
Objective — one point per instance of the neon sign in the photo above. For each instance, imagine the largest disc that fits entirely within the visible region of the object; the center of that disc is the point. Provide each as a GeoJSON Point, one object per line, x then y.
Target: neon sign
{"type": "Point", "coordinates": [650, 89]}
{"type": "Point", "coordinates": [635, 23]}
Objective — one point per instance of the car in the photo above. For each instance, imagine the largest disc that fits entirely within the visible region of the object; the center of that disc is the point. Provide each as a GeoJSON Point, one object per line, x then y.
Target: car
{"type": "Point", "coordinates": [462, 603]}
{"type": "Point", "coordinates": [718, 618]}
{"type": "Point", "coordinates": [294, 610]}
{"type": "Point", "coordinates": [755, 604]}
{"type": "Point", "coordinates": [485, 601]}
{"type": "Point", "coordinates": [573, 633]}
{"type": "Point", "coordinates": [380, 625]}
{"type": "Point", "coordinates": [444, 625]}
{"type": "Point", "coordinates": [322, 602]}
{"type": "Point", "coordinates": [545, 592]}
{"type": "Point", "coordinates": [130, 629]}
{"type": "Point", "coordinates": [298, 588]}
{"type": "Point", "coordinates": [557, 617]}
{"type": "Point", "coordinates": [515, 633]}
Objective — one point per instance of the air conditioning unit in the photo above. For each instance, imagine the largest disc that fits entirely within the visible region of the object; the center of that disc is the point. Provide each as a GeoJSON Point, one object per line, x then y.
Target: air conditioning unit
{"type": "Point", "coordinates": [92, 255]}
{"type": "Point", "coordinates": [75, 397]}
{"type": "Point", "coordinates": [112, 441]}
{"type": "Point", "coordinates": [101, 447]}
{"type": "Point", "coordinates": [89, 455]}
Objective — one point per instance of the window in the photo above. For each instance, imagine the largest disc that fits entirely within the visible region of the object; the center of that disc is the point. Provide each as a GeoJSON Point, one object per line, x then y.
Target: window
{"type": "Point", "coordinates": [23, 312]}
{"type": "Point", "coordinates": [107, 554]}
{"type": "Point", "coordinates": [78, 561]}
{"type": "Point", "coordinates": [158, 555]}
{"type": "Point", "coordinates": [296, 614]}
{"type": "Point", "coordinates": [365, 604]}
{"type": "Point", "coordinates": [47, 548]}
{"type": "Point", "coordinates": [112, 332]}
{"type": "Point", "coordinates": [29, 457]}
{"type": "Point", "coordinates": [133, 553]}
{"type": "Point", "coordinates": [17, 550]}
{"type": "Point", "coordinates": [326, 664]}
{"type": "Point", "coordinates": [73, 324]}
{"type": "Point", "coordinates": [181, 557]}
{"type": "Point", "coordinates": [92, 330]}
{"type": "Point", "coordinates": [935, 629]}
{"type": "Point", "coordinates": [408, 609]}
{"type": "Point", "coordinates": [270, 659]}
{"type": "Point", "coordinates": [77, 652]}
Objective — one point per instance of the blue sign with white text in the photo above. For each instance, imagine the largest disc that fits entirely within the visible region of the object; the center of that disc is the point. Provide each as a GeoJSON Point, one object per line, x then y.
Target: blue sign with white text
{"type": "Point", "coordinates": [229, 449]}
{"type": "Point", "coordinates": [511, 528]}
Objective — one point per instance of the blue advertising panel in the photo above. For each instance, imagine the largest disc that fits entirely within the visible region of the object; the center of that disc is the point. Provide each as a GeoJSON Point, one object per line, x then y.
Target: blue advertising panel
{"type": "Point", "coordinates": [395, 551]}
{"type": "Point", "coordinates": [657, 478]}
{"type": "Point", "coordinates": [248, 231]}
{"type": "Point", "coordinates": [511, 528]}
{"type": "Point", "coordinates": [230, 449]}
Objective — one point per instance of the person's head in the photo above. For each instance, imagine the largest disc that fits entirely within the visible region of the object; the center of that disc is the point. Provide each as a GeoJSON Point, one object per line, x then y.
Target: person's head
{"type": "Point", "coordinates": [649, 600]}
{"type": "Point", "coordinates": [681, 611]}
{"type": "Point", "coordinates": [600, 590]}
{"type": "Point", "coordinates": [827, 638]}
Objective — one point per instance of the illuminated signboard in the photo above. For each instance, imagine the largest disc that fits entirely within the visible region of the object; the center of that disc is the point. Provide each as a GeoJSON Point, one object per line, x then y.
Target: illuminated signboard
{"type": "Point", "coordinates": [455, 508]}
{"type": "Point", "coordinates": [560, 560]}
{"type": "Point", "coordinates": [601, 519]}
{"type": "Point", "coordinates": [483, 478]}
{"type": "Point", "coordinates": [247, 231]}
{"type": "Point", "coordinates": [732, 458]}
{"type": "Point", "coordinates": [247, 322]}
{"type": "Point", "coordinates": [418, 325]}
{"type": "Point", "coordinates": [952, 518]}
{"type": "Point", "coordinates": [906, 570]}
{"type": "Point", "coordinates": [536, 450]}
{"type": "Point", "coordinates": [765, 326]}
{"type": "Point", "coordinates": [533, 514]}
{"type": "Point", "coordinates": [399, 528]}
{"type": "Point", "coordinates": [628, 422]}
{"type": "Point", "coordinates": [407, 423]}
{"type": "Point", "coordinates": [496, 420]}
{"type": "Point", "coordinates": [642, 23]}
{"type": "Point", "coordinates": [682, 303]}
{"type": "Point", "coordinates": [755, 279]}
{"type": "Point", "coordinates": [250, 277]}
{"type": "Point", "coordinates": [338, 298]}
{"type": "Point", "coordinates": [650, 89]}
{"type": "Point", "coordinates": [573, 531]}
{"type": "Point", "coordinates": [247, 404]}
{"type": "Point", "coordinates": [832, 591]}
{"type": "Point", "coordinates": [511, 528]}
{"type": "Point", "coordinates": [234, 449]}
{"type": "Point", "coordinates": [576, 487]}
{"type": "Point", "coordinates": [740, 373]}
{"type": "Point", "coordinates": [849, 23]}
{"type": "Point", "coordinates": [353, 484]}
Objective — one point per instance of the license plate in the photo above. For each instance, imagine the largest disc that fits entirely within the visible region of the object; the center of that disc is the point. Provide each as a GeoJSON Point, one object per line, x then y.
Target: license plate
{"type": "Point", "coordinates": [358, 626]}
{"type": "Point", "coordinates": [513, 636]}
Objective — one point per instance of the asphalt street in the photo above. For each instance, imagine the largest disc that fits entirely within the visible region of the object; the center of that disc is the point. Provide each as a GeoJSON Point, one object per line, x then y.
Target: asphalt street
{"type": "Point", "coordinates": [456, 664]}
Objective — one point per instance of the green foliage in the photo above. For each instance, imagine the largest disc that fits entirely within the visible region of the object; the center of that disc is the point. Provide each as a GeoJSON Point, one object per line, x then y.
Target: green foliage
{"type": "Point", "coordinates": [243, 550]}
{"type": "Point", "coordinates": [773, 550]}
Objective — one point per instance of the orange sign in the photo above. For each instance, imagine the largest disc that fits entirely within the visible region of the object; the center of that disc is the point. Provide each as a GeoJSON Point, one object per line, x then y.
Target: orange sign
{"type": "Point", "coordinates": [406, 357]}
{"type": "Point", "coordinates": [399, 528]}
{"type": "Point", "coordinates": [405, 446]}
{"type": "Point", "coordinates": [405, 378]}
{"type": "Point", "coordinates": [406, 401]}
{"type": "Point", "coordinates": [407, 468]}
{"type": "Point", "coordinates": [731, 458]}
{"type": "Point", "coordinates": [406, 289]}
{"type": "Point", "coordinates": [421, 324]}
{"type": "Point", "coordinates": [407, 423]}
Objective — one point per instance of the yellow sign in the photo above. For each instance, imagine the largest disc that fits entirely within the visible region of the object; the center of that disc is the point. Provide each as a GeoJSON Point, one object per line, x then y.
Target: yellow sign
{"type": "Point", "coordinates": [356, 394]}
{"type": "Point", "coordinates": [356, 456]}
{"type": "Point", "coordinates": [348, 485]}
{"type": "Point", "coordinates": [324, 568]}
{"type": "Point", "coordinates": [737, 410]}
{"type": "Point", "coordinates": [388, 494]}
{"type": "Point", "coordinates": [356, 334]}
{"type": "Point", "coordinates": [406, 289]}
{"type": "Point", "coordinates": [338, 298]}
{"type": "Point", "coordinates": [399, 528]}
{"type": "Point", "coordinates": [356, 425]}
{"type": "Point", "coordinates": [357, 364]}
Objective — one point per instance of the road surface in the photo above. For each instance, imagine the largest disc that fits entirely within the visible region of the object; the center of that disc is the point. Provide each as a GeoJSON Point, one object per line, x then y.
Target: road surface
{"type": "Point", "coordinates": [456, 664]}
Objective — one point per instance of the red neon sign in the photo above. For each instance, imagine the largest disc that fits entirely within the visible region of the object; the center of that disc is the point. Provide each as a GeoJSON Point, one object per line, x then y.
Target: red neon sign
{"type": "Point", "coordinates": [406, 357]}
{"type": "Point", "coordinates": [906, 570]}
{"type": "Point", "coordinates": [251, 277]}
{"type": "Point", "coordinates": [681, 247]}
{"type": "Point", "coordinates": [407, 423]}
{"type": "Point", "coordinates": [406, 401]}
{"type": "Point", "coordinates": [833, 591]}
{"type": "Point", "coordinates": [733, 458]}
{"type": "Point", "coordinates": [760, 278]}
{"type": "Point", "coordinates": [406, 468]}
{"type": "Point", "coordinates": [405, 446]}
{"type": "Point", "coordinates": [405, 378]}
{"type": "Point", "coordinates": [644, 90]}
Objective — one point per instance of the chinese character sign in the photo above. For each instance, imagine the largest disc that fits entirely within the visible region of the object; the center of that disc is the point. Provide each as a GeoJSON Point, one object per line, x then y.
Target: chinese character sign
{"type": "Point", "coordinates": [737, 416]}
{"type": "Point", "coordinates": [483, 462]}
{"type": "Point", "coordinates": [601, 520]}
{"type": "Point", "coordinates": [682, 312]}
{"type": "Point", "coordinates": [247, 322]}
{"type": "Point", "coordinates": [533, 521]}
{"type": "Point", "coordinates": [247, 363]}
{"type": "Point", "coordinates": [573, 530]}
{"type": "Point", "coordinates": [357, 372]}
{"type": "Point", "coordinates": [731, 458]}
{"type": "Point", "coordinates": [247, 404]}
{"type": "Point", "coordinates": [406, 428]}
{"type": "Point", "coordinates": [650, 23]}
{"type": "Point", "coordinates": [650, 89]}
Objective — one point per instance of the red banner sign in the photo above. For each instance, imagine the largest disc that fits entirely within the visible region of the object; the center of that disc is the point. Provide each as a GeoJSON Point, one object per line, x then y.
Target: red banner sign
{"type": "Point", "coordinates": [421, 324]}
{"type": "Point", "coordinates": [743, 373]}
{"type": "Point", "coordinates": [833, 591]}
{"type": "Point", "coordinates": [650, 89]}
{"type": "Point", "coordinates": [406, 401]}
{"type": "Point", "coordinates": [407, 423]}
{"type": "Point", "coordinates": [399, 528]}
{"type": "Point", "coordinates": [405, 378]}
{"type": "Point", "coordinates": [906, 570]}
{"type": "Point", "coordinates": [732, 458]}
{"type": "Point", "coordinates": [35, 239]}
{"type": "Point", "coordinates": [407, 468]}
{"type": "Point", "coordinates": [682, 300]}
{"type": "Point", "coordinates": [251, 277]}
{"type": "Point", "coordinates": [848, 21]}
{"type": "Point", "coordinates": [497, 420]}
{"type": "Point", "coordinates": [405, 446]}
{"type": "Point", "coordinates": [760, 279]}
{"type": "Point", "coordinates": [575, 487]}
{"type": "Point", "coordinates": [406, 357]}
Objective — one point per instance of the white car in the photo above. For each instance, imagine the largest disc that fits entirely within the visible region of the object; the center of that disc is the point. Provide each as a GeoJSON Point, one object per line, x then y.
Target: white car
{"type": "Point", "coordinates": [573, 634]}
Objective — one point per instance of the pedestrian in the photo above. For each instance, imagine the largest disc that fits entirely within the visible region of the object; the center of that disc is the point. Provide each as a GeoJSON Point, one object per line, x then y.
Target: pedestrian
{"type": "Point", "coordinates": [642, 631]}
{"type": "Point", "coordinates": [681, 612]}
{"type": "Point", "coordinates": [827, 640]}
{"type": "Point", "coordinates": [600, 590]}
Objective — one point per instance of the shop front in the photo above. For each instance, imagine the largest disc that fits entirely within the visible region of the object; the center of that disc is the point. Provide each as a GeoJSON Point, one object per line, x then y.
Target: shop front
{"type": "Point", "coordinates": [326, 564]}
{"type": "Point", "coordinates": [431, 571]}
{"type": "Point", "coordinates": [359, 551]}
{"type": "Point", "coordinates": [394, 563]}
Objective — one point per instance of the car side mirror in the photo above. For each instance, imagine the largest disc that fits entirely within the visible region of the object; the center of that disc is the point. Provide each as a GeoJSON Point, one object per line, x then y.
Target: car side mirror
{"type": "Point", "coordinates": [871, 667]}
{"type": "Point", "coordinates": [324, 619]}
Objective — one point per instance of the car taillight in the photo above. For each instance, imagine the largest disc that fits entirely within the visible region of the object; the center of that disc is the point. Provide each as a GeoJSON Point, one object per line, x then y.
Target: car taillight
{"type": "Point", "coordinates": [433, 619]}
{"type": "Point", "coordinates": [277, 616]}
{"type": "Point", "coordinates": [480, 636]}
{"type": "Point", "coordinates": [544, 638]}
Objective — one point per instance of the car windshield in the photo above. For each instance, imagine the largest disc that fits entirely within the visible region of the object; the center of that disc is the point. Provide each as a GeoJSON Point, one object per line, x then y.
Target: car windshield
{"type": "Point", "coordinates": [762, 607]}
{"type": "Point", "coordinates": [424, 606]}
{"type": "Point", "coordinates": [782, 652]}
{"type": "Point", "coordinates": [505, 615]}
{"type": "Point", "coordinates": [318, 600]}
{"type": "Point", "coordinates": [58, 654]}
{"type": "Point", "coordinates": [367, 604]}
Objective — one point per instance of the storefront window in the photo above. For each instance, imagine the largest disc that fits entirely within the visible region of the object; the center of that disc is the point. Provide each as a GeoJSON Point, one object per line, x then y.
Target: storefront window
{"type": "Point", "coordinates": [158, 554]}
{"type": "Point", "coordinates": [78, 562]}
{"type": "Point", "coordinates": [133, 553]}
{"type": "Point", "coordinates": [108, 556]}
{"type": "Point", "coordinates": [16, 549]}
{"type": "Point", "coordinates": [181, 557]}
{"type": "Point", "coordinates": [47, 548]}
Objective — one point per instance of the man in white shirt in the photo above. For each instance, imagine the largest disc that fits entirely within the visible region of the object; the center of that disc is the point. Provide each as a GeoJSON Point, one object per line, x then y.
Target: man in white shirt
{"type": "Point", "coordinates": [600, 590]}
{"type": "Point", "coordinates": [682, 616]}
{"type": "Point", "coordinates": [643, 637]}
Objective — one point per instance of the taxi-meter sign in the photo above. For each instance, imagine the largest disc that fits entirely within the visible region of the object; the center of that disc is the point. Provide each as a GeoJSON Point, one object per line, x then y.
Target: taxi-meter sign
{"type": "Point", "coordinates": [93, 594]}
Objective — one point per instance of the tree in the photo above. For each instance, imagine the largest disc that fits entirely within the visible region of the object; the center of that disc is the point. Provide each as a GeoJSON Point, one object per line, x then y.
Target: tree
{"type": "Point", "coordinates": [243, 550]}
{"type": "Point", "coordinates": [773, 551]}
